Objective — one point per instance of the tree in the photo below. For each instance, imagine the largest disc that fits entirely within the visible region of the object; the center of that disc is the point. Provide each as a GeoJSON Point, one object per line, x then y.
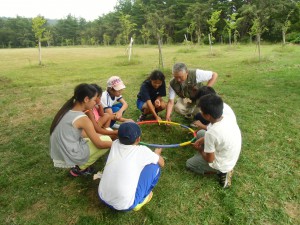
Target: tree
{"type": "Point", "coordinates": [156, 25]}
{"type": "Point", "coordinates": [38, 29]}
{"type": "Point", "coordinates": [197, 13]}
{"type": "Point", "coordinates": [191, 29]}
{"type": "Point", "coordinates": [145, 34]}
{"type": "Point", "coordinates": [106, 39]}
{"type": "Point", "coordinates": [257, 29]}
{"type": "Point", "coordinates": [48, 37]}
{"type": "Point", "coordinates": [127, 27]}
{"type": "Point", "coordinates": [215, 17]}
{"type": "Point", "coordinates": [231, 25]}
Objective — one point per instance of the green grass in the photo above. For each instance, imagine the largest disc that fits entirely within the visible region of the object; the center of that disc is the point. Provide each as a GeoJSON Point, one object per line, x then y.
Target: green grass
{"type": "Point", "coordinates": [264, 95]}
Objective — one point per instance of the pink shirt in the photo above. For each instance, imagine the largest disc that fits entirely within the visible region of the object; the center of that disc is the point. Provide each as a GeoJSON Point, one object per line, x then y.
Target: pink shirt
{"type": "Point", "coordinates": [96, 113]}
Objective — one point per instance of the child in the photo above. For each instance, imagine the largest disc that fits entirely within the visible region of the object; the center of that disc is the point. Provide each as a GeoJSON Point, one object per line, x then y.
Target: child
{"type": "Point", "coordinates": [150, 96]}
{"type": "Point", "coordinates": [220, 148]}
{"type": "Point", "coordinates": [68, 149]}
{"type": "Point", "coordinates": [131, 171]}
{"type": "Point", "coordinates": [112, 95]}
{"type": "Point", "coordinates": [101, 120]}
{"type": "Point", "coordinates": [200, 122]}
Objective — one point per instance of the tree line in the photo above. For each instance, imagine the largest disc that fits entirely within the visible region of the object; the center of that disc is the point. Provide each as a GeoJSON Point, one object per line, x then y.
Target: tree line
{"type": "Point", "coordinates": [167, 21]}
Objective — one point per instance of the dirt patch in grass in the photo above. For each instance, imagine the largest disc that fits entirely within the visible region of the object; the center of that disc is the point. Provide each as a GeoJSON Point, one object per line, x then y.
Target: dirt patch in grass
{"type": "Point", "coordinates": [293, 210]}
{"type": "Point", "coordinates": [35, 111]}
{"type": "Point", "coordinates": [34, 210]}
{"type": "Point", "coordinates": [5, 80]}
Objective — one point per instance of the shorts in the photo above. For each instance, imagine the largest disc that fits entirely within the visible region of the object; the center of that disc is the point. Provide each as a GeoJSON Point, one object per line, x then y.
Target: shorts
{"type": "Point", "coordinates": [139, 104]}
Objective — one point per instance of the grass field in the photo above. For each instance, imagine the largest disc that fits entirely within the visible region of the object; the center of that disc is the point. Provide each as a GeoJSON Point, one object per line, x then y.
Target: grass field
{"type": "Point", "coordinates": [264, 95]}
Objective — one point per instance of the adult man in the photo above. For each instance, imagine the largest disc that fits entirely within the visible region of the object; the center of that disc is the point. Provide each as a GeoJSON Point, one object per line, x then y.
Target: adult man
{"type": "Point", "coordinates": [185, 84]}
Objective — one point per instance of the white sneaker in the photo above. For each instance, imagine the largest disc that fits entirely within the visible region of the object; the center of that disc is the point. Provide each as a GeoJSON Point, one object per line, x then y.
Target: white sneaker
{"type": "Point", "coordinates": [115, 126]}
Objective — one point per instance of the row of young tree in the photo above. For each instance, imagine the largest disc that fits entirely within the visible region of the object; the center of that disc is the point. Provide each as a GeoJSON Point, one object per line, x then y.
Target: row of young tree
{"type": "Point", "coordinates": [168, 21]}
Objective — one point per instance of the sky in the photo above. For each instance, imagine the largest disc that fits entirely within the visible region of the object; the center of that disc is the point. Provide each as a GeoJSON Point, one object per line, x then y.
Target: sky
{"type": "Point", "coordinates": [56, 9]}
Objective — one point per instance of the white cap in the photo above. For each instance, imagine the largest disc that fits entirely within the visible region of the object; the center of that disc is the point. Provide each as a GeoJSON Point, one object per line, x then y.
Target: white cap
{"type": "Point", "coordinates": [115, 83]}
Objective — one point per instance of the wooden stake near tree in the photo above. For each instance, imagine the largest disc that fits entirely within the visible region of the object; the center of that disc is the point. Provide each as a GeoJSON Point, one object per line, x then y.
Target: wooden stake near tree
{"type": "Point", "coordinates": [161, 63]}
{"type": "Point", "coordinates": [38, 29]}
{"type": "Point", "coordinates": [129, 49]}
{"type": "Point", "coordinates": [210, 44]}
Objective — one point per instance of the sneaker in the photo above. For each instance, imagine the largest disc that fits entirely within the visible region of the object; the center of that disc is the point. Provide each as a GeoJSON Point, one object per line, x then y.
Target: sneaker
{"type": "Point", "coordinates": [76, 171]}
{"type": "Point", "coordinates": [115, 126]}
{"type": "Point", "coordinates": [225, 179]}
{"type": "Point", "coordinates": [146, 200]}
{"type": "Point", "coordinates": [141, 118]}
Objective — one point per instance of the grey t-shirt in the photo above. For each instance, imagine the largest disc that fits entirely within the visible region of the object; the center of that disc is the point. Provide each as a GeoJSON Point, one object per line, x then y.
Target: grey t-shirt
{"type": "Point", "coordinates": [67, 147]}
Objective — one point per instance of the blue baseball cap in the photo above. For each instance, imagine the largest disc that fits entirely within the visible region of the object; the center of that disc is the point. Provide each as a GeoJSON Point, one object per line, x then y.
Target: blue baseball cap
{"type": "Point", "coordinates": [128, 133]}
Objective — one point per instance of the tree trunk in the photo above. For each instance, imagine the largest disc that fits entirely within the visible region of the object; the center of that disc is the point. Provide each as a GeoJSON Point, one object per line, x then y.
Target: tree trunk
{"type": "Point", "coordinates": [210, 44]}
{"type": "Point", "coordinates": [161, 63]}
{"type": "Point", "coordinates": [283, 37]}
{"type": "Point", "coordinates": [40, 52]}
{"type": "Point", "coordinates": [258, 45]}
{"type": "Point", "coordinates": [130, 49]}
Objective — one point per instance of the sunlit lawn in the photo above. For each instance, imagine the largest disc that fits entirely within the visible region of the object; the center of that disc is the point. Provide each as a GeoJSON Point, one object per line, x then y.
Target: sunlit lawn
{"type": "Point", "coordinates": [264, 95]}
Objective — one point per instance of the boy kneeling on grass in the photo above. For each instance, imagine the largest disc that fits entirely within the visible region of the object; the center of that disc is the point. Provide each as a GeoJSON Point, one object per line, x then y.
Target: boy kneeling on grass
{"type": "Point", "coordinates": [131, 171]}
{"type": "Point", "coordinates": [219, 147]}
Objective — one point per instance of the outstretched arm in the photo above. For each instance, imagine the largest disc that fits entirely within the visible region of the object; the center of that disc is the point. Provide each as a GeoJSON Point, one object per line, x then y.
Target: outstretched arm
{"type": "Point", "coordinates": [213, 79]}
{"type": "Point", "coordinates": [169, 109]}
{"type": "Point", "coordinates": [151, 108]}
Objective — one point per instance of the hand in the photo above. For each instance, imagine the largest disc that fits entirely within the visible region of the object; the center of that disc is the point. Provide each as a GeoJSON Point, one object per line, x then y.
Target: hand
{"type": "Point", "coordinates": [158, 151]}
{"type": "Point", "coordinates": [118, 115]}
{"type": "Point", "coordinates": [197, 144]}
{"type": "Point", "coordinates": [197, 123]}
{"type": "Point", "coordinates": [158, 118]}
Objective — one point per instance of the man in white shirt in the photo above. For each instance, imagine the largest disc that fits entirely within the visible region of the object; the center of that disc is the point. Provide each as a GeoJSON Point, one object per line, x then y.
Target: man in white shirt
{"type": "Point", "coordinates": [185, 85]}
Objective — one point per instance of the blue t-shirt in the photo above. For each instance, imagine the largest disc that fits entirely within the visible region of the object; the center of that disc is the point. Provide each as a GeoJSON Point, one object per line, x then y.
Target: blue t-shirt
{"type": "Point", "coordinates": [147, 92]}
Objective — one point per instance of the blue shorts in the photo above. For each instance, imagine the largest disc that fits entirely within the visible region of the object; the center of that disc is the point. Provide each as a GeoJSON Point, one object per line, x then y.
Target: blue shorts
{"type": "Point", "coordinates": [139, 104]}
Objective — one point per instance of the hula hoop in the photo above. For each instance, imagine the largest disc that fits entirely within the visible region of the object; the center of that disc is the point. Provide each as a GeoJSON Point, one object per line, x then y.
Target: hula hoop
{"type": "Point", "coordinates": [170, 145]}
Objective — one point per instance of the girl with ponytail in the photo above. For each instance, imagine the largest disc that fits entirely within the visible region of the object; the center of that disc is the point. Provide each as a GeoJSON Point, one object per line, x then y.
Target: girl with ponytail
{"type": "Point", "coordinates": [68, 148]}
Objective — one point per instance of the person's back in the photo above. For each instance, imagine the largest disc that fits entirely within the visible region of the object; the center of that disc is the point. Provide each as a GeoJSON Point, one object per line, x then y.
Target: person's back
{"type": "Point", "coordinates": [131, 171]}
{"type": "Point", "coordinates": [66, 137]}
{"type": "Point", "coordinates": [224, 139]}
{"type": "Point", "coordinates": [120, 177]}
{"type": "Point", "coordinates": [219, 147]}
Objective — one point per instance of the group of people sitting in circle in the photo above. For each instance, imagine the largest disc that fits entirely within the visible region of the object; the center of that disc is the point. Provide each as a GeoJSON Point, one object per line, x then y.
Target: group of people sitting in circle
{"type": "Point", "coordinates": [91, 123]}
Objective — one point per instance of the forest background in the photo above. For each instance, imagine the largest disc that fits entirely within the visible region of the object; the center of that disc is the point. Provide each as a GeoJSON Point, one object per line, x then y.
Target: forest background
{"type": "Point", "coordinates": [169, 21]}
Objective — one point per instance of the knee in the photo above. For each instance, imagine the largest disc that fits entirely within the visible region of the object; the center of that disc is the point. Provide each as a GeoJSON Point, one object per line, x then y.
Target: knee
{"type": "Point", "coordinates": [179, 109]}
{"type": "Point", "coordinates": [189, 164]}
{"type": "Point", "coordinates": [200, 133]}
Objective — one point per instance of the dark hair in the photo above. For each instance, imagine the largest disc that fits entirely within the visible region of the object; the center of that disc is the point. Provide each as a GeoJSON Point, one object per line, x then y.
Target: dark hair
{"type": "Point", "coordinates": [98, 88]}
{"type": "Point", "coordinates": [205, 90]}
{"type": "Point", "coordinates": [211, 104]}
{"type": "Point", "coordinates": [80, 92]}
{"type": "Point", "coordinates": [156, 75]}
